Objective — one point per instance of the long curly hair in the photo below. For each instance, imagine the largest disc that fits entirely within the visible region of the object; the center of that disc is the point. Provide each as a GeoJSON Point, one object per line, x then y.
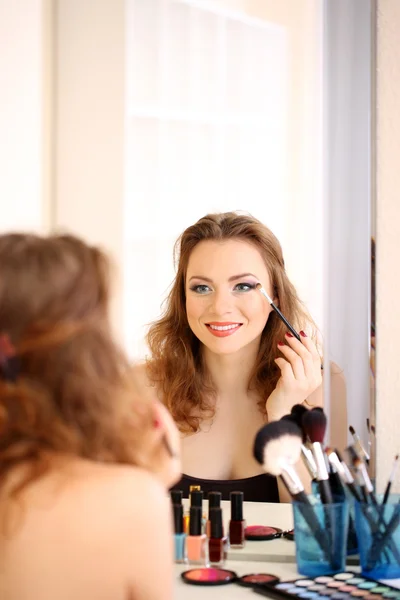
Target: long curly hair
{"type": "Point", "coordinates": [176, 366]}
{"type": "Point", "coordinates": [72, 392]}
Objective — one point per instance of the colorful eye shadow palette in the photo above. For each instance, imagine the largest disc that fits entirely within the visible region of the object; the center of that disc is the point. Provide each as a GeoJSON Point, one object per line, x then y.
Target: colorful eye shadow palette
{"type": "Point", "coordinates": [343, 586]}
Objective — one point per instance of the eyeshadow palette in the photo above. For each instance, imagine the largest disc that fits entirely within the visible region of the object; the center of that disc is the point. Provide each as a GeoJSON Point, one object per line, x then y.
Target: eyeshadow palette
{"type": "Point", "coordinates": [342, 586]}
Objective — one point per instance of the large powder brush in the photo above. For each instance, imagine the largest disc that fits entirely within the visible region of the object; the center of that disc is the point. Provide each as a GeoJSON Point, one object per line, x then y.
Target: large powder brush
{"type": "Point", "coordinates": [278, 443]}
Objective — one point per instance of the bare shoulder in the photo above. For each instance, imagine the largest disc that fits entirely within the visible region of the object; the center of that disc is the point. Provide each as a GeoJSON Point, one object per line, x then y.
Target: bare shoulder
{"type": "Point", "coordinates": [142, 385]}
{"type": "Point", "coordinates": [122, 482]}
{"type": "Point", "coordinates": [120, 493]}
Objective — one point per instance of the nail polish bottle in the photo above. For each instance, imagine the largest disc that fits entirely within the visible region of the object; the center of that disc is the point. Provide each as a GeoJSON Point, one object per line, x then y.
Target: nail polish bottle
{"type": "Point", "coordinates": [214, 501]}
{"type": "Point", "coordinates": [180, 536]}
{"type": "Point", "coordinates": [196, 499]}
{"type": "Point", "coordinates": [196, 541]}
{"type": "Point", "coordinates": [217, 544]}
{"type": "Point", "coordinates": [237, 523]}
{"type": "Point", "coordinates": [193, 502]}
{"type": "Point", "coordinates": [176, 496]}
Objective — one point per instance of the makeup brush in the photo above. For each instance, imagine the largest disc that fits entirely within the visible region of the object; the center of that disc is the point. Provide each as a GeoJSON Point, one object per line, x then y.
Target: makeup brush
{"type": "Point", "coordinates": [306, 453]}
{"type": "Point", "coordinates": [297, 412]}
{"type": "Point", "coordinates": [343, 471]}
{"type": "Point", "coordinates": [380, 542]}
{"type": "Point", "coordinates": [362, 475]}
{"type": "Point", "coordinates": [277, 448]}
{"type": "Point", "coordinates": [314, 425]}
{"type": "Point", "coordinates": [389, 483]}
{"type": "Point", "coordinates": [284, 440]}
{"type": "Point", "coordinates": [359, 446]}
{"type": "Point", "coordinates": [260, 288]}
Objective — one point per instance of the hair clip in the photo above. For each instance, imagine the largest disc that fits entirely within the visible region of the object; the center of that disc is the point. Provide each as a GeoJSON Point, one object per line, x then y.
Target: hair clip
{"type": "Point", "coordinates": [8, 359]}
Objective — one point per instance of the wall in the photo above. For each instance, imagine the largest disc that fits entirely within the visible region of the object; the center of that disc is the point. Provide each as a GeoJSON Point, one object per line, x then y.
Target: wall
{"type": "Point", "coordinates": [89, 126]}
{"type": "Point", "coordinates": [388, 235]}
{"type": "Point", "coordinates": [25, 115]}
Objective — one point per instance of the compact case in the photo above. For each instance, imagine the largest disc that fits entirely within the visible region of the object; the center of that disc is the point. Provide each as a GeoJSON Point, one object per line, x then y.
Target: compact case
{"type": "Point", "coordinates": [254, 533]}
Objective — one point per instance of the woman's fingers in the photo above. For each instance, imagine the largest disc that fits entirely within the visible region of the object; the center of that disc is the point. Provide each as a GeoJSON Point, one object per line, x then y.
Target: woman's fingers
{"type": "Point", "coordinates": [296, 361]}
{"type": "Point", "coordinates": [307, 352]}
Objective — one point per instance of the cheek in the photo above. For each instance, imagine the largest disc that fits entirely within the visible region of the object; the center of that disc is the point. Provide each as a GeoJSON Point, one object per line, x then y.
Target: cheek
{"type": "Point", "coordinates": [193, 307]}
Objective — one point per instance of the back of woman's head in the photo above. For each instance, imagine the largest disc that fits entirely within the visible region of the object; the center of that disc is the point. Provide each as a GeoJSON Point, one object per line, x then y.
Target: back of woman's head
{"type": "Point", "coordinates": [60, 371]}
{"type": "Point", "coordinates": [176, 352]}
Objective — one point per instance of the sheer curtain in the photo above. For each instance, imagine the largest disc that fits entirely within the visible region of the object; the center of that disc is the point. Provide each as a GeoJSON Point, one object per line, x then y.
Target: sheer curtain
{"type": "Point", "coordinates": [223, 113]}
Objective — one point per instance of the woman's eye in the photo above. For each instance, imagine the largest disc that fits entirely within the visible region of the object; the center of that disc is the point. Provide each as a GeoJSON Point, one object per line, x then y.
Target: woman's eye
{"type": "Point", "coordinates": [200, 289]}
{"type": "Point", "coordinates": [244, 287]}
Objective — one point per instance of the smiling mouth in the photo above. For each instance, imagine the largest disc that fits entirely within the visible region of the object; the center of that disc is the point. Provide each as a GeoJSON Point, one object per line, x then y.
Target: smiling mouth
{"type": "Point", "coordinates": [223, 330]}
{"type": "Point", "coordinates": [223, 327]}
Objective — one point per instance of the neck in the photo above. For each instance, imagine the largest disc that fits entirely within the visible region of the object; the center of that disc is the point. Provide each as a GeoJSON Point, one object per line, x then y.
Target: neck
{"type": "Point", "coordinates": [230, 373]}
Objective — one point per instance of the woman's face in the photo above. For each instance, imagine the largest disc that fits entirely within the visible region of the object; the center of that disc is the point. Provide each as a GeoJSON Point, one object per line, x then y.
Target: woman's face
{"type": "Point", "coordinates": [224, 309]}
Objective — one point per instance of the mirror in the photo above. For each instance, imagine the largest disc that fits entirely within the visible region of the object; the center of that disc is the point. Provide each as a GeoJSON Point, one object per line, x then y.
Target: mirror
{"type": "Point", "coordinates": [265, 107]}
{"type": "Point", "coordinates": [210, 105]}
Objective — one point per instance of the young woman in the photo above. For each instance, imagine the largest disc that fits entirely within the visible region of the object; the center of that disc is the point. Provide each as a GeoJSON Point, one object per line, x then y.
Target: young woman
{"type": "Point", "coordinates": [222, 361]}
{"type": "Point", "coordinates": [84, 471]}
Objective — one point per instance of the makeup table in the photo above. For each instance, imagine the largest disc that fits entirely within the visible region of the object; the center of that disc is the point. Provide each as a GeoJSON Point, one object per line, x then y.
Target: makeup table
{"type": "Point", "coordinates": [276, 557]}
{"type": "Point", "coordinates": [272, 556]}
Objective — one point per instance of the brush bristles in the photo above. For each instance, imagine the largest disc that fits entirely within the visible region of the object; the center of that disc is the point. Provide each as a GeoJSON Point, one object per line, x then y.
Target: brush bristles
{"type": "Point", "coordinates": [276, 445]}
{"type": "Point", "coordinates": [314, 425]}
{"type": "Point", "coordinates": [294, 419]}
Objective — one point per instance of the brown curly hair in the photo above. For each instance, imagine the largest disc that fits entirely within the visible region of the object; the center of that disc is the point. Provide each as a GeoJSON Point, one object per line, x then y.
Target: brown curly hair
{"type": "Point", "coordinates": [72, 392]}
{"type": "Point", "coordinates": [176, 366]}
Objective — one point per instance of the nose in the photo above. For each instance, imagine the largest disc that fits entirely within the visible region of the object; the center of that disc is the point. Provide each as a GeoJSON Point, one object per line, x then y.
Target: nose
{"type": "Point", "coordinates": [222, 303]}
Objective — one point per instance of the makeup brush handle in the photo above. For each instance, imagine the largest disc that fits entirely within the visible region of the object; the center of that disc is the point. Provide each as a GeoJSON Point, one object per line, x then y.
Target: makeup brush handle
{"type": "Point", "coordinates": [386, 539]}
{"type": "Point", "coordinates": [325, 491]}
{"type": "Point", "coordinates": [354, 491]}
{"type": "Point", "coordinates": [288, 325]}
{"type": "Point", "coordinates": [386, 494]}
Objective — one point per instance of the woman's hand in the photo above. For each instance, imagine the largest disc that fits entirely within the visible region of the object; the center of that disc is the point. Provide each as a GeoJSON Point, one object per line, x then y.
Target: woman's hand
{"type": "Point", "coordinates": [161, 447]}
{"type": "Point", "coordinates": [300, 375]}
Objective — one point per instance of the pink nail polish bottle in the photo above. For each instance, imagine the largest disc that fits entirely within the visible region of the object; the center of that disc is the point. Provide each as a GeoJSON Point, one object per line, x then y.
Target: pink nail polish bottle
{"type": "Point", "coordinates": [196, 541]}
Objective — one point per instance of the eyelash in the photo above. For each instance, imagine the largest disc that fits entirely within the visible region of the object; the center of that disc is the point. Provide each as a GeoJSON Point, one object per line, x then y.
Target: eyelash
{"type": "Point", "coordinates": [251, 286]}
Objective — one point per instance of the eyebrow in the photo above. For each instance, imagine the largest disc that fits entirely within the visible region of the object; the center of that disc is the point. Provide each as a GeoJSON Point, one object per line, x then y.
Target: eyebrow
{"type": "Point", "coordinates": [233, 278]}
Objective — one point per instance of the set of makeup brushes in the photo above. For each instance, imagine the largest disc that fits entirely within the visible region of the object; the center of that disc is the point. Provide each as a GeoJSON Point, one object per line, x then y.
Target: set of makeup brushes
{"type": "Point", "coordinates": [279, 445]}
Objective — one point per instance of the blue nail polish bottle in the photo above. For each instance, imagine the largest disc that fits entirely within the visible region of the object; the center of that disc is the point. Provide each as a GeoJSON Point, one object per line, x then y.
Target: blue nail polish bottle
{"type": "Point", "coordinates": [179, 537]}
